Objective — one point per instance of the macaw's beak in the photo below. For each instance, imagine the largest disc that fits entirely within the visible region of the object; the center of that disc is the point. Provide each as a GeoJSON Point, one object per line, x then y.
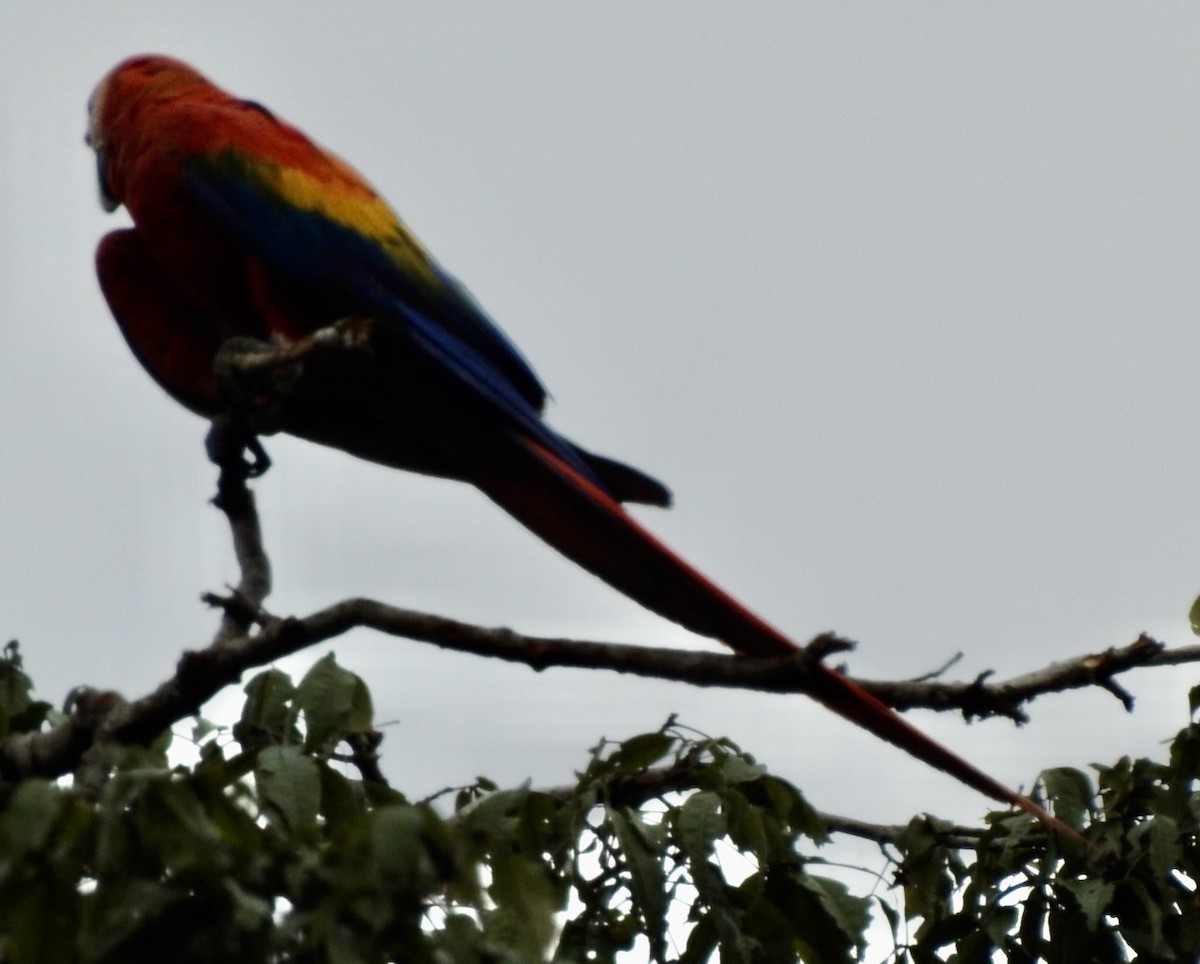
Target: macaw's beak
{"type": "Point", "coordinates": [107, 200]}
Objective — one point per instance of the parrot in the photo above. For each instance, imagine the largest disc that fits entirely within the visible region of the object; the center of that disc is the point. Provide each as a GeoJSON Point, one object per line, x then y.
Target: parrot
{"type": "Point", "coordinates": [244, 228]}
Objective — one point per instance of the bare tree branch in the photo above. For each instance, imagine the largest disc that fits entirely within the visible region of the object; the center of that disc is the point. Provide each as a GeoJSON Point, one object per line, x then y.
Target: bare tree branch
{"type": "Point", "coordinates": [250, 637]}
{"type": "Point", "coordinates": [244, 608]}
{"type": "Point", "coordinates": [200, 675]}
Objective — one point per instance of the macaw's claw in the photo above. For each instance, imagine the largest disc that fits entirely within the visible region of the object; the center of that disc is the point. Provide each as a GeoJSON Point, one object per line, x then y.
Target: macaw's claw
{"type": "Point", "coordinates": [259, 461]}
{"type": "Point", "coordinates": [229, 441]}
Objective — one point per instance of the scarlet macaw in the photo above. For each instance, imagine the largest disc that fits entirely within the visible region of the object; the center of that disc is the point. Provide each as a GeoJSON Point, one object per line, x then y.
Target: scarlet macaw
{"type": "Point", "coordinates": [245, 227]}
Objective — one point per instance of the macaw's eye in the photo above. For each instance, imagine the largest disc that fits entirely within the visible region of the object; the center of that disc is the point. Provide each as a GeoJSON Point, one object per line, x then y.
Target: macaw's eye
{"type": "Point", "coordinates": [108, 200]}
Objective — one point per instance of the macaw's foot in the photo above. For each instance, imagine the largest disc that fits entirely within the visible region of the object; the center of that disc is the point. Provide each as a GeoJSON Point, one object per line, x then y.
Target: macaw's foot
{"type": "Point", "coordinates": [255, 380]}
{"type": "Point", "coordinates": [260, 382]}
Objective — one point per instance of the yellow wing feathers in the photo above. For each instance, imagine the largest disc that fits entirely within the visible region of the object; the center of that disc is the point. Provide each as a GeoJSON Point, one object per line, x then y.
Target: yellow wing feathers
{"type": "Point", "coordinates": [339, 194]}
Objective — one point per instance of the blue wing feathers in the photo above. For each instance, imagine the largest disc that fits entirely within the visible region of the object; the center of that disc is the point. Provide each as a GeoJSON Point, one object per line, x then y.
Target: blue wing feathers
{"type": "Point", "coordinates": [445, 349]}
{"type": "Point", "coordinates": [324, 255]}
{"type": "Point", "coordinates": [306, 245]}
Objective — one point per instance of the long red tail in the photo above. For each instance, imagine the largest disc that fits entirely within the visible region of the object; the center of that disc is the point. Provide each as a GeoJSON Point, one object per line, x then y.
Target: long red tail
{"type": "Point", "coordinates": [575, 516]}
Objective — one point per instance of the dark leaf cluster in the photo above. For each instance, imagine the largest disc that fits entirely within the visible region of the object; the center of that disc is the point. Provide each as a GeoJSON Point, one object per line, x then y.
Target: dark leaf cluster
{"type": "Point", "coordinates": [280, 841]}
{"type": "Point", "coordinates": [268, 848]}
{"type": "Point", "coordinates": [1132, 895]}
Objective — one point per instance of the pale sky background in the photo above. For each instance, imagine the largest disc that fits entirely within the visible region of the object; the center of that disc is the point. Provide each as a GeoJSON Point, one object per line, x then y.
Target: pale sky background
{"type": "Point", "coordinates": [900, 300]}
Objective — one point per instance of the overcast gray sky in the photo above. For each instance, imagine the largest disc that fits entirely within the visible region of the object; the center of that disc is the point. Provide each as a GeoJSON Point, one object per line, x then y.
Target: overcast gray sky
{"type": "Point", "coordinates": [901, 300]}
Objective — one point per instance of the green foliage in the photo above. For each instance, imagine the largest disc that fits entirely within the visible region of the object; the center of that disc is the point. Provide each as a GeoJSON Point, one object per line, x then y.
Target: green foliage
{"type": "Point", "coordinates": [1133, 893]}
{"type": "Point", "coordinates": [668, 846]}
{"type": "Point", "coordinates": [265, 849]}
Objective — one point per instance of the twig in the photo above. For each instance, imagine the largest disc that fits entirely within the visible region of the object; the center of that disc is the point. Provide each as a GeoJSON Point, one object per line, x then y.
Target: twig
{"type": "Point", "coordinates": [1007, 698]}
{"type": "Point", "coordinates": [635, 789]}
{"type": "Point", "coordinates": [940, 671]}
{"type": "Point", "coordinates": [364, 756]}
{"type": "Point", "coordinates": [244, 608]}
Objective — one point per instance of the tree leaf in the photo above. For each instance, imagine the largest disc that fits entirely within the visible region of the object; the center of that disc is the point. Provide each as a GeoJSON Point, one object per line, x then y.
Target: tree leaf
{"type": "Point", "coordinates": [30, 816]}
{"type": "Point", "coordinates": [745, 824]}
{"type": "Point", "coordinates": [1093, 896]}
{"type": "Point", "coordinates": [335, 703]}
{"type": "Point", "coordinates": [647, 879]}
{"type": "Point", "coordinates": [642, 751]}
{"type": "Point", "coordinates": [267, 716]}
{"type": "Point", "coordinates": [1071, 791]}
{"type": "Point", "coordinates": [289, 785]}
{"type": "Point", "coordinates": [494, 818]}
{"type": "Point", "coordinates": [700, 824]}
{"type": "Point", "coordinates": [526, 904]}
{"type": "Point", "coordinates": [735, 768]}
{"type": "Point", "coordinates": [850, 914]}
{"type": "Point", "coordinates": [1160, 838]}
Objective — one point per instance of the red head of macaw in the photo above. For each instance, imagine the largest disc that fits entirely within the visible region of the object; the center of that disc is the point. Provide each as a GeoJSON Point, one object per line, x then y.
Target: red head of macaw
{"type": "Point", "coordinates": [242, 226]}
